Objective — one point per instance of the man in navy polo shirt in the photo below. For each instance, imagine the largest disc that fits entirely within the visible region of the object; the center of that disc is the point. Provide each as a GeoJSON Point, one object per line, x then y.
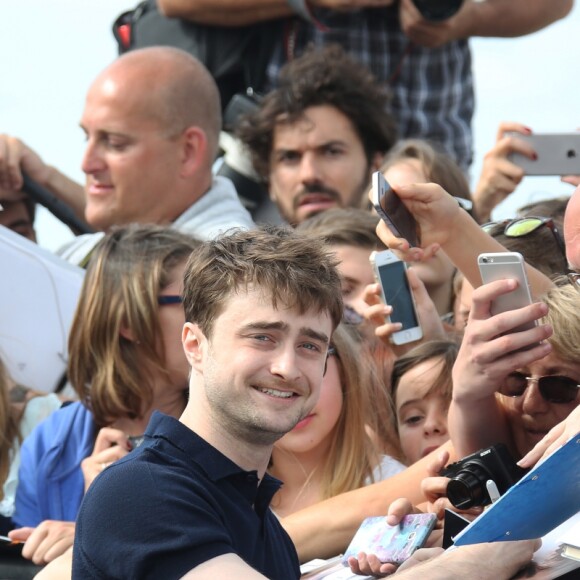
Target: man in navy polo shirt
{"type": "Point", "coordinates": [260, 308]}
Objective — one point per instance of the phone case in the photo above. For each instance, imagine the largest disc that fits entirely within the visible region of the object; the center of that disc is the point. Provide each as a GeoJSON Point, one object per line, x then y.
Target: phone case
{"type": "Point", "coordinates": [393, 544]}
{"type": "Point", "coordinates": [501, 266]}
{"type": "Point", "coordinates": [558, 154]}
{"type": "Point", "coordinates": [404, 307]}
{"type": "Point", "coordinates": [392, 210]}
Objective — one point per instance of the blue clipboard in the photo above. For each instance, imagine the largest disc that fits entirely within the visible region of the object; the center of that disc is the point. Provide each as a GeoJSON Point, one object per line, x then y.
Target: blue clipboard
{"type": "Point", "coordinates": [547, 496]}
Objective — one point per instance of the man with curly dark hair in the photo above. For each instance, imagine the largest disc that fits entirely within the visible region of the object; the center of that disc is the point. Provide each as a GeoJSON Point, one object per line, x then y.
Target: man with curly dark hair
{"type": "Point", "coordinates": [316, 139]}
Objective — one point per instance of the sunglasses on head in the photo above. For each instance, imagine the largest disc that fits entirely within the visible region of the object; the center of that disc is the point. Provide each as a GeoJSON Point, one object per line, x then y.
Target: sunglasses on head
{"type": "Point", "coordinates": [553, 388]}
{"type": "Point", "coordinates": [526, 225]}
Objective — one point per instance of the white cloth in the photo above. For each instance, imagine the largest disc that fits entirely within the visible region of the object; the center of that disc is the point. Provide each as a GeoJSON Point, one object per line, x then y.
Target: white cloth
{"type": "Point", "coordinates": [385, 469]}
{"type": "Point", "coordinates": [217, 211]}
{"type": "Point", "coordinates": [36, 410]}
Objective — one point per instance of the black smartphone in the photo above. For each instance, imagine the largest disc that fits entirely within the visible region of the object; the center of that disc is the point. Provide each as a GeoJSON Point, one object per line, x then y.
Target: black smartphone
{"type": "Point", "coordinates": [393, 211]}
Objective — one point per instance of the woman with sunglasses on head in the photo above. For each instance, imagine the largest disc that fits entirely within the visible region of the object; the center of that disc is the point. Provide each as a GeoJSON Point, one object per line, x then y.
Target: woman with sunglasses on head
{"type": "Point", "coordinates": [514, 387]}
{"type": "Point", "coordinates": [333, 450]}
{"type": "Point", "coordinates": [126, 361]}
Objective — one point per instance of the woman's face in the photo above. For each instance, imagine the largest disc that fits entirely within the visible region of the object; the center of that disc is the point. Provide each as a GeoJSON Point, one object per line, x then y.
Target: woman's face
{"type": "Point", "coordinates": [421, 413]}
{"type": "Point", "coordinates": [171, 321]}
{"type": "Point", "coordinates": [356, 273]}
{"type": "Point", "coordinates": [530, 416]}
{"type": "Point", "coordinates": [315, 432]}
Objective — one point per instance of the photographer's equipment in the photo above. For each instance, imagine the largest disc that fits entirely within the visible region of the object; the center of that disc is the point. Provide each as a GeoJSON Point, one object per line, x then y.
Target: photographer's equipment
{"type": "Point", "coordinates": [437, 10]}
{"type": "Point", "coordinates": [468, 476]}
{"type": "Point", "coordinates": [237, 57]}
{"type": "Point", "coordinates": [237, 165]}
{"type": "Point", "coordinates": [54, 205]}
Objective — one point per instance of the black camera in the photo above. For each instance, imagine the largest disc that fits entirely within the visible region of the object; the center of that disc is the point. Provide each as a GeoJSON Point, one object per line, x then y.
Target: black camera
{"type": "Point", "coordinates": [437, 10]}
{"type": "Point", "coordinates": [470, 475]}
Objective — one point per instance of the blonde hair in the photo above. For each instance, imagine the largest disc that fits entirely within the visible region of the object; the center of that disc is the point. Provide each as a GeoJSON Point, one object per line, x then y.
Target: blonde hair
{"type": "Point", "coordinates": [352, 455]}
{"type": "Point", "coordinates": [127, 270]}
{"type": "Point", "coordinates": [564, 317]}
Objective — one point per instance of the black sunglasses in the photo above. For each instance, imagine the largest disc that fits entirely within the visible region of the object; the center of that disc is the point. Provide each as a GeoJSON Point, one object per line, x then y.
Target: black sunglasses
{"type": "Point", "coordinates": [553, 388]}
{"type": "Point", "coordinates": [526, 225]}
{"type": "Point", "coordinates": [169, 299]}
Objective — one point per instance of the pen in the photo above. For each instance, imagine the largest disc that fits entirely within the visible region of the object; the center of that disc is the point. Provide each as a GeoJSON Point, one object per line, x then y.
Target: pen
{"type": "Point", "coordinates": [10, 540]}
{"type": "Point", "coordinates": [492, 490]}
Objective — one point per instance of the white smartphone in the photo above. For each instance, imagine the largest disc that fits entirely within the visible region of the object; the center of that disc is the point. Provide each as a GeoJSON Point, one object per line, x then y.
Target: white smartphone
{"type": "Point", "coordinates": [501, 266]}
{"type": "Point", "coordinates": [391, 274]}
{"type": "Point", "coordinates": [392, 210]}
{"type": "Point", "coordinates": [558, 154]}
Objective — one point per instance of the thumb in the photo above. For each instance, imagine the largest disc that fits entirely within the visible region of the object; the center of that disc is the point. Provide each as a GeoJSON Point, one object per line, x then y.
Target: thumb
{"type": "Point", "coordinates": [20, 534]}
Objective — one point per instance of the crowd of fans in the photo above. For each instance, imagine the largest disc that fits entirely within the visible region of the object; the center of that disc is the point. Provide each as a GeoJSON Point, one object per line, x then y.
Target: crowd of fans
{"type": "Point", "coordinates": [211, 356]}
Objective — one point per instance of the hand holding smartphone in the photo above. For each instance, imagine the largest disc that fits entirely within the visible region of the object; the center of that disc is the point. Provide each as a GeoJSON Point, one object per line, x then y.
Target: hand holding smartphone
{"type": "Point", "coordinates": [392, 544]}
{"type": "Point", "coordinates": [557, 154]}
{"type": "Point", "coordinates": [501, 266]}
{"type": "Point", "coordinates": [393, 211]}
{"type": "Point", "coordinates": [391, 274]}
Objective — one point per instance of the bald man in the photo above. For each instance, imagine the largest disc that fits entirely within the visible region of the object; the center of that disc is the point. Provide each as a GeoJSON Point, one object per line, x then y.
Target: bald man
{"type": "Point", "coordinates": [151, 121]}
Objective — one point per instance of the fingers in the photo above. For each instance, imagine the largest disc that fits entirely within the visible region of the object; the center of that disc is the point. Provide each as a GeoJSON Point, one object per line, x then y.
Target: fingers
{"type": "Point", "coordinates": [554, 439]}
{"type": "Point", "coordinates": [108, 437]}
{"type": "Point", "coordinates": [571, 179]}
{"type": "Point", "coordinates": [511, 127]}
{"type": "Point", "coordinates": [437, 463]}
{"type": "Point", "coordinates": [398, 510]}
{"type": "Point", "coordinates": [48, 540]}
{"type": "Point", "coordinates": [20, 534]}
{"type": "Point", "coordinates": [369, 565]}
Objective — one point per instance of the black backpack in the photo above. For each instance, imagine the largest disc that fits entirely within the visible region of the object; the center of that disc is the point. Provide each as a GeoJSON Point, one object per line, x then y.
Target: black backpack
{"type": "Point", "coordinates": [236, 57]}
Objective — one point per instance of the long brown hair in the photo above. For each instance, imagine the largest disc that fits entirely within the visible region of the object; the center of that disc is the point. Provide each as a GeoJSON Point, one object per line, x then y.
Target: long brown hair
{"type": "Point", "coordinates": [9, 432]}
{"type": "Point", "coordinates": [126, 272]}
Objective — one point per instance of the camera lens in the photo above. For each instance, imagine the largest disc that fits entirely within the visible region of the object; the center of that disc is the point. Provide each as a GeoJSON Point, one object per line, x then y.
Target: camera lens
{"type": "Point", "coordinates": [467, 489]}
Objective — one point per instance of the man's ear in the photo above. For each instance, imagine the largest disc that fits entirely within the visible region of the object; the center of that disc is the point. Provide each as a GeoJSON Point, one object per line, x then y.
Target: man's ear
{"type": "Point", "coordinates": [194, 150]}
{"type": "Point", "coordinates": [194, 342]}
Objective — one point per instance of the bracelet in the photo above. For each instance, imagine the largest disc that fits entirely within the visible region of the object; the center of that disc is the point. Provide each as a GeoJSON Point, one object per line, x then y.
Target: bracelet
{"type": "Point", "coordinates": [300, 7]}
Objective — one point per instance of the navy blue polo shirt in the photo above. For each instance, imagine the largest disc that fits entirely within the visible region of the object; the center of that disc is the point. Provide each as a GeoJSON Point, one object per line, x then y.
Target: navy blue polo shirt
{"type": "Point", "coordinates": [174, 503]}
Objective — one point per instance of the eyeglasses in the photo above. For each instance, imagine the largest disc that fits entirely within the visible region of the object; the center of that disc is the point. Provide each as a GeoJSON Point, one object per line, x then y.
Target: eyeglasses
{"type": "Point", "coordinates": [574, 279]}
{"type": "Point", "coordinates": [553, 388]}
{"type": "Point", "coordinates": [330, 352]}
{"type": "Point", "coordinates": [169, 299]}
{"type": "Point", "coordinates": [527, 225]}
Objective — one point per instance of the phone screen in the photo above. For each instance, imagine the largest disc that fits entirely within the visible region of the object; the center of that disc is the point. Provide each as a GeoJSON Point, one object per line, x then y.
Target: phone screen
{"type": "Point", "coordinates": [393, 278]}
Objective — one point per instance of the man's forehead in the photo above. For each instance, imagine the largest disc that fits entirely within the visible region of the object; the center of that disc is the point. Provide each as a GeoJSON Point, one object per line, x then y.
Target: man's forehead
{"type": "Point", "coordinates": [324, 120]}
{"type": "Point", "coordinates": [250, 303]}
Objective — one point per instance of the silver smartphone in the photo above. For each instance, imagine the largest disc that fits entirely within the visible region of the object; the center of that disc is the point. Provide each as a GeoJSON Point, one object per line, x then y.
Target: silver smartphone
{"type": "Point", "coordinates": [502, 266]}
{"type": "Point", "coordinates": [392, 210]}
{"type": "Point", "coordinates": [391, 274]}
{"type": "Point", "coordinates": [558, 154]}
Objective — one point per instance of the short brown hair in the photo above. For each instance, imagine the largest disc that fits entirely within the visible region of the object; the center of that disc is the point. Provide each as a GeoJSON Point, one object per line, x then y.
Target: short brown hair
{"type": "Point", "coordinates": [319, 77]}
{"type": "Point", "coordinates": [445, 350]}
{"type": "Point", "coordinates": [295, 271]}
{"type": "Point", "coordinates": [127, 270]}
{"type": "Point", "coordinates": [344, 227]}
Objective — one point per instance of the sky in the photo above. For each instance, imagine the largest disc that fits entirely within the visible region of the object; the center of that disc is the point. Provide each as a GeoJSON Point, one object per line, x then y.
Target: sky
{"type": "Point", "coordinates": [52, 50]}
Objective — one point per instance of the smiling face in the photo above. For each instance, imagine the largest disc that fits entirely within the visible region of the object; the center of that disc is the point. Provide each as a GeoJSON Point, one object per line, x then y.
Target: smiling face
{"type": "Point", "coordinates": [318, 162]}
{"type": "Point", "coordinates": [314, 434]}
{"type": "Point", "coordinates": [421, 413]}
{"type": "Point", "coordinates": [259, 373]}
{"type": "Point", "coordinates": [530, 416]}
{"type": "Point", "coordinates": [132, 166]}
